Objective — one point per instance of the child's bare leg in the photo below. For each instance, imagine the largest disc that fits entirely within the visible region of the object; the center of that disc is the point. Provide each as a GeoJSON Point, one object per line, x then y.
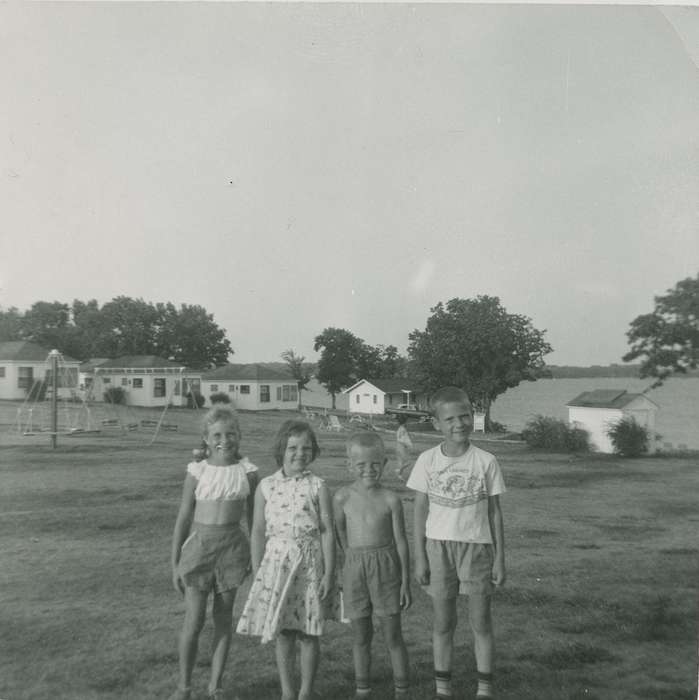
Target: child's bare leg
{"type": "Point", "coordinates": [482, 626]}
{"type": "Point", "coordinates": [310, 655]}
{"type": "Point", "coordinates": [195, 611]}
{"type": "Point", "coordinates": [443, 642]}
{"type": "Point", "coordinates": [223, 631]}
{"type": "Point", "coordinates": [286, 663]}
{"type": "Point", "coordinates": [393, 634]}
{"type": "Point", "coordinates": [363, 631]}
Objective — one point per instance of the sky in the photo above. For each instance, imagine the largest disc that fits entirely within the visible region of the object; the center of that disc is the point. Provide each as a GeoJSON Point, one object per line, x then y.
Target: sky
{"type": "Point", "coordinates": [291, 167]}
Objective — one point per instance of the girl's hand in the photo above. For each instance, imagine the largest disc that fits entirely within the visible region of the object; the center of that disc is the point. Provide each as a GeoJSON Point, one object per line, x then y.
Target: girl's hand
{"type": "Point", "coordinates": [498, 573]}
{"type": "Point", "coordinates": [406, 599]}
{"type": "Point", "coordinates": [177, 581]}
{"type": "Point", "coordinates": [324, 587]}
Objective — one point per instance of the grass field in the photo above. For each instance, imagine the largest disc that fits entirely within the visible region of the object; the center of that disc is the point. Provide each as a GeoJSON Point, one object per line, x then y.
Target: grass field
{"type": "Point", "coordinates": [600, 603]}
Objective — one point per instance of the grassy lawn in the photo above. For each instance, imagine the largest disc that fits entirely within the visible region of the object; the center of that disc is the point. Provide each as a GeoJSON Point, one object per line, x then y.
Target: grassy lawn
{"type": "Point", "coordinates": [601, 599]}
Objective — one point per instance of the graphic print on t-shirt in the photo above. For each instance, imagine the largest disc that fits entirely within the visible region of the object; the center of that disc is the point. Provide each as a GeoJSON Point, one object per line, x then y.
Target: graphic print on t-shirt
{"type": "Point", "coordinates": [454, 487]}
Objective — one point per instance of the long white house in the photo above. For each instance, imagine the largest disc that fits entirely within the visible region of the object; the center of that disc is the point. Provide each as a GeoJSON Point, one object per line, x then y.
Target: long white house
{"type": "Point", "coordinates": [25, 366]}
{"type": "Point", "coordinates": [251, 387]}
{"type": "Point", "coordinates": [595, 411]}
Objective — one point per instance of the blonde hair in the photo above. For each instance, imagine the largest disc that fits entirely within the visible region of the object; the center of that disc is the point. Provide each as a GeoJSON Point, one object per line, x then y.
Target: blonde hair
{"type": "Point", "coordinates": [448, 394]}
{"type": "Point", "coordinates": [365, 438]}
{"type": "Point", "coordinates": [221, 412]}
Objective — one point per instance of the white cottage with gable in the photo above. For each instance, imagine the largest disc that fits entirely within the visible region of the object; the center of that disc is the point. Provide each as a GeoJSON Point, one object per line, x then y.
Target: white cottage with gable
{"type": "Point", "coordinates": [595, 411]}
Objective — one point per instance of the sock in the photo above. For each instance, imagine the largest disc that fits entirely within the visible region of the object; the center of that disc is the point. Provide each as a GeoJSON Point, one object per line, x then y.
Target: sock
{"type": "Point", "coordinates": [485, 685]}
{"type": "Point", "coordinates": [442, 681]}
{"type": "Point", "coordinates": [400, 687]}
{"type": "Point", "coordinates": [363, 688]}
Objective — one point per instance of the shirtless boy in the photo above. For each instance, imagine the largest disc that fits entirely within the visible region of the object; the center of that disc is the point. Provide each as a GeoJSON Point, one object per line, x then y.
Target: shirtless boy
{"type": "Point", "coordinates": [375, 580]}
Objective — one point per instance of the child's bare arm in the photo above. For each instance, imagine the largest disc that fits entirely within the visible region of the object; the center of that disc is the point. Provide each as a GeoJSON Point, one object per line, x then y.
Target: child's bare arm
{"type": "Point", "coordinates": [339, 516]}
{"type": "Point", "coordinates": [420, 509]}
{"type": "Point", "coordinates": [327, 538]}
{"type": "Point", "coordinates": [250, 501]}
{"type": "Point", "coordinates": [182, 525]}
{"type": "Point", "coordinates": [401, 541]}
{"type": "Point", "coordinates": [497, 530]}
{"type": "Point", "coordinates": [257, 531]}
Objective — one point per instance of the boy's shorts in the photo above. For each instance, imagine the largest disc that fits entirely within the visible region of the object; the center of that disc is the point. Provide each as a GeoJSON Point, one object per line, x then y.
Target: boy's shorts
{"type": "Point", "coordinates": [371, 581]}
{"type": "Point", "coordinates": [459, 567]}
{"type": "Point", "coordinates": [215, 556]}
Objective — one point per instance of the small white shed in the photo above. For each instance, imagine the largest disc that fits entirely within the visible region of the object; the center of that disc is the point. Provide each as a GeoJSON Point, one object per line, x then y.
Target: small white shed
{"type": "Point", "coordinates": [595, 411]}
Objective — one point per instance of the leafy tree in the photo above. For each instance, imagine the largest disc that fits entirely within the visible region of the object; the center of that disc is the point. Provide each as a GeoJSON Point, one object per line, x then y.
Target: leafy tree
{"type": "Point", "coordinates": [338, 363]}
{"type": "Point", "coordinates": [667, 340]}
{"type": "Point", "coordinates": [46, 323]}
{"type": "Point", "coordinates": [299, 371]}
{"type": "Point", "coordinates": [11, 324]}
{"type": "Point", "coordinates": [477, 345]}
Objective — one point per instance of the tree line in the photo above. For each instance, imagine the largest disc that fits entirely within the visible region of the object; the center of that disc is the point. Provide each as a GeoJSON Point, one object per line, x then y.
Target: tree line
{"type": "Point", "coordinates": [186, 334]}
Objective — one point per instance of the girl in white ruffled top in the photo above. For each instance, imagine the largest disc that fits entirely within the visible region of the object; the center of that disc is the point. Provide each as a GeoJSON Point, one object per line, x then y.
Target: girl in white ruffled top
{"type": "Point", "coordinates": [210, 551]}
{"type": "Point", "coordinates": [290, 595]}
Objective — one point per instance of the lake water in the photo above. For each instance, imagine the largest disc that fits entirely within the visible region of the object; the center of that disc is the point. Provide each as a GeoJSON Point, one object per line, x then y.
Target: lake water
{"type": "Point", "coordinates": [677, 419]}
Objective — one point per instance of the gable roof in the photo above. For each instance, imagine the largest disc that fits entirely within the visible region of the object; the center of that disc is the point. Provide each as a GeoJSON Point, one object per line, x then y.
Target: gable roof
{"type": "Point", "coordinates": [606, 398]}
{"type": "Point", "coordinates": [250, 372]}
{"type": "Point", "coordinates": [140, 361]}
{"type": "Point", "coordinates": [387, 386]}
{"type": "Point", "coordinates": [26, 351]}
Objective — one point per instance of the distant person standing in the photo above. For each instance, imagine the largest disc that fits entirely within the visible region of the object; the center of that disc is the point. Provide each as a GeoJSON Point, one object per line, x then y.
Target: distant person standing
{"type": "Point", "coordinates": [458, 536]}
{"type": "Point", "coordinates": [404, 448]}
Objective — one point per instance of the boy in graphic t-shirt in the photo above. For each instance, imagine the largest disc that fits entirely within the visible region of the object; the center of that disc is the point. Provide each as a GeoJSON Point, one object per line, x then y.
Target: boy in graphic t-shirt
{"type": "Point", "coordinates": [459, 535]}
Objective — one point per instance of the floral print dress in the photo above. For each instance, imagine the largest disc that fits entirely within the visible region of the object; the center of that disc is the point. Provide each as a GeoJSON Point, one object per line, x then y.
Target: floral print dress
{"type": "Point", "coordinates": [284, 593]}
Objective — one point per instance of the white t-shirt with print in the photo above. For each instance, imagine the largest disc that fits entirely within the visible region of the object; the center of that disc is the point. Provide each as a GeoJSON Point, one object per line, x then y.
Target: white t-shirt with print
{"type": "Point", "coordinates": [458, 490]}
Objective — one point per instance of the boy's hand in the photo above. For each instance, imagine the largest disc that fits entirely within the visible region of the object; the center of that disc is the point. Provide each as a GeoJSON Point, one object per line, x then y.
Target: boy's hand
{"type": "Point", "coordinates": [325, 586]}
{"type": "Point", "coordinates": [406, 599]}
{"type": "Point", "coordinates": [498, 573]}
{"type": "Point", "coordinates": [422, 572]}
{"type": "Point", "coordinates": [177, 581]}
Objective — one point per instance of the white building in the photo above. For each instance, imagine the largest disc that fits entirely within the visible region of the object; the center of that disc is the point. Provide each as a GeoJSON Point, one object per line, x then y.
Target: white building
{"type": "Point", "coordinates": [25, 366]}
{"type": "Point", "coordinates": [252, 387]}
{"type": "Point", "coordinates": [375, 396]}
{"type": "Point", "coordinates": [595, 411]}
{"type": "Point", "coordinates": [147, 380]}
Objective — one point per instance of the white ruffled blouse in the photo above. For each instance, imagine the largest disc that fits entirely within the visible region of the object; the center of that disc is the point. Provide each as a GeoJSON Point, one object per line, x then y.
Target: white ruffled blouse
{"type": "Point", "coordinates": [214, 483]}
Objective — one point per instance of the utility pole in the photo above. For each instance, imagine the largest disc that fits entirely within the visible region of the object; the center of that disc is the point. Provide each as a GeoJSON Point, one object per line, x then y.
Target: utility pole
{"type": "Point", "coordinates": [53, 355]}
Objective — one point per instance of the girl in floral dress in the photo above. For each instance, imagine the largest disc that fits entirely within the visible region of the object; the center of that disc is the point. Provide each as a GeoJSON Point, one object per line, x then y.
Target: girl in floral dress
{"type": "Point", "coordinates": [293, 559]}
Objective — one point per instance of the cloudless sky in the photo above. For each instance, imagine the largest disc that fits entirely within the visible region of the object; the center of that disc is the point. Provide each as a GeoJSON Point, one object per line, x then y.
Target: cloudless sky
{"type": "Point", "coordinates": [296, 166]}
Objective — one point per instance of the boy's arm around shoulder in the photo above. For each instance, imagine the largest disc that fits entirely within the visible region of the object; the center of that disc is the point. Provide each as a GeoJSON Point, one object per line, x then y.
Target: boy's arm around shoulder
{"type": "Point", "coordinates": [401, 541]}
{"type": "Point", "coordinates": [497, 530]}
{"type": "Point", "coordinates": [181, 530]}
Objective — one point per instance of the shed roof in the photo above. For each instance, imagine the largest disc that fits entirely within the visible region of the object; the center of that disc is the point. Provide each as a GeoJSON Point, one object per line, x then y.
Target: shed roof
{"type": "Point", "coordinates": [26, 351]}
{"type": "Point", "coordinates": [606, 398]}
{"type": "Point", "coordinates": [250, 372]}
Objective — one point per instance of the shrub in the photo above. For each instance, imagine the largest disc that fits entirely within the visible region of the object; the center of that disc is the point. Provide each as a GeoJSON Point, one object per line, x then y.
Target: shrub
{"type": "Point", "coordinates": [549, 433]}
{"type": "Point", "coordinates": [114, 394]}
{"type": "Point", "coordinates": [219, 397]}
{"type": "Point", "coordinates": [629, 439]}
{"type": "Point", "coordinates": [496, 427]}
{"type": "Point", "coordinates": [195, 399]}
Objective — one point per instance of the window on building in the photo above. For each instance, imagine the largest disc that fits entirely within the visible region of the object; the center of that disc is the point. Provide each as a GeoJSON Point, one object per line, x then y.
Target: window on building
{"type": "Point", "coordinates": [25, 379]}
{"type": "Point", "coordinates": [356, 398]}
{"type": "Point", "coordinates": [2, 372]}
{"type": "Point", "coordinates": [159, 384]}
{"type": "Point", "coordinates": [279, 393]}
{"type": "Point", "coordinates": [289, 392]}
{"type": "Point", "coordinates": [244, 388]}
{"type": "Point", "coordinates": [124, 381]}
{"type": "Point", "coordinates": [213, 387]}
{"type": "Point", "coordinates": [374, 398]}
{"type": "Point", "coordinates": [264, 393]}
{"type": "Point", "coordinates": [231, 388]}
{"type": "Point", "coordinates": [176, 388]}
{"type": "Point", "coordinates": [106, 380]}
{"type": "Point", "coordinates": [138, 383]}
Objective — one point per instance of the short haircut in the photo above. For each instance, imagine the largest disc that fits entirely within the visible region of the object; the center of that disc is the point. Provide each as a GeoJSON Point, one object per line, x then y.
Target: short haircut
{"type": "Point", "coordinates": [365, 438]}
{"type": "Point", "coordinates": [447, 394]}
{"type": "Point", "coordinates": [401, 418]}
{"type": "Point", "coordinates": [289, 428]}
